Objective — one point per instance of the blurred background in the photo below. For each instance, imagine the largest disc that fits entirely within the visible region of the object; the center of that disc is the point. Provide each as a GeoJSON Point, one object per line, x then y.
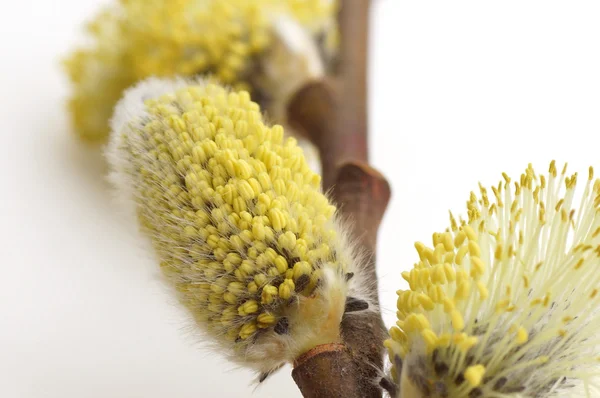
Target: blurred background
{"type": "Point", "coordinates": [460, 91]}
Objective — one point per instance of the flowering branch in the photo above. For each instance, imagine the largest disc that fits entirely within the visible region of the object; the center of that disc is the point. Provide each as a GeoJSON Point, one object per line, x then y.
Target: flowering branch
{"type": "Point", "coordinates": [333, 115]}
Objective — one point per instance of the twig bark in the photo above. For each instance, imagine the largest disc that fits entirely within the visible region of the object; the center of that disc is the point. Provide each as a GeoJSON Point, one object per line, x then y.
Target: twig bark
{"type": "Point", "coordinates": [333, 115]}
{"type": "Point", "coordinates": [351, 119]}
{"type": "Point", "coordinates": [324, 360]}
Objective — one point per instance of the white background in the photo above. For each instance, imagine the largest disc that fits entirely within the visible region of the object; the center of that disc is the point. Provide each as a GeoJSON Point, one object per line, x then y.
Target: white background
{"type": "Point", "coordinates": [461, 91]}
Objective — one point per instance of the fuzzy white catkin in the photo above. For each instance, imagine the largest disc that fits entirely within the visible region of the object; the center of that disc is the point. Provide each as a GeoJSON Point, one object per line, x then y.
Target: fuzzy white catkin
{"type": "Point", "coordinates": [239, 224]}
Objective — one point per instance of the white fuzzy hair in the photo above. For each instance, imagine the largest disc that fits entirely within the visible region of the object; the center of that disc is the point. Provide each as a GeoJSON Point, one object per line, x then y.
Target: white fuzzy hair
{"type": "Point", "coordinates": [129, 111]}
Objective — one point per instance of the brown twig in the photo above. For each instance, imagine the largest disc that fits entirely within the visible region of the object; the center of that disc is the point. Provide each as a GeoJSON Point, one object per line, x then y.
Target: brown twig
{"type": "Point", "coordinates": [351, 119]}
{"type": "Point", "coordinates": [333, 115]}
{"type": "Point", "coordinates": [309, 374]}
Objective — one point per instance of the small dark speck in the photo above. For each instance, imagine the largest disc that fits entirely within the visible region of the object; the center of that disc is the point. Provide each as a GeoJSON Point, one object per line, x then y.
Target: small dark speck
{"type": "Point", "coordinates": [500, 383]}
{"type": "Point", "coordinates": [459, 379]}
{"type": "Point", "coordinates": [302, 282]}
{"type": "Point", "coordinates": [441, 369]}
{"type": "Point", "coordinates": [476, 393]}
{"type": "Point", "coordinates": [319, 283]}
{"type": "Point", "coordinates": [282, 326]}
{"type": "Point", "coordinates": [388, 386]}
{"type": "Point", "coordinates": [353, 304]}
{"type": "Point", "coordinates": [349, 276]}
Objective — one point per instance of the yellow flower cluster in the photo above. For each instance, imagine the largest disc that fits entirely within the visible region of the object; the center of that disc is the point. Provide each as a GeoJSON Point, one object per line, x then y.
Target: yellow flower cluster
{"type": "Point", "coordinates": [98, 76]}
{"type": "Point", "coordinates": [140, 38]}
{"type": "Point", "coordinates": [505, 304]}
{"type": "Point", "coordinates": [234, 212]}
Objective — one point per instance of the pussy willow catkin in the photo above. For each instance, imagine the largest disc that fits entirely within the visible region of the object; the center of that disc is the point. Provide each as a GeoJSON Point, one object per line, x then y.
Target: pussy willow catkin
{"type": "Point", "coordinates": [230, 40]}
{"type": "Point", "coordinates": [236, 217]}
{"type": "Point", "coordinates": [506, 303]}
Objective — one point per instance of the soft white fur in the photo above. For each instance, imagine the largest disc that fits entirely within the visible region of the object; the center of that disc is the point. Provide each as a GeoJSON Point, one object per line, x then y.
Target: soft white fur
{"type": "Point", "coordinates": [128, 112]}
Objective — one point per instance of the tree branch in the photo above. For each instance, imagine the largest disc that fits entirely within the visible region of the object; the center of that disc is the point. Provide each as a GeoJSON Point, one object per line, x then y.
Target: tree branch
{"type": "Point", "coordinates": [333, 115]}
{"type": "Point", "coordinates": [325, 360]}
{"type": "Point", "coordinates": [351, 120]}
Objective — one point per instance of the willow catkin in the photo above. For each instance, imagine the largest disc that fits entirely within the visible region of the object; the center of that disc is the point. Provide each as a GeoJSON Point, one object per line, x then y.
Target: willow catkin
{"type": "Point", "coordinates": [505, 304]}
{"type": "Point", "coordinates": [237, 219]}
{"type": "Point", "coordinates": [242, 43]}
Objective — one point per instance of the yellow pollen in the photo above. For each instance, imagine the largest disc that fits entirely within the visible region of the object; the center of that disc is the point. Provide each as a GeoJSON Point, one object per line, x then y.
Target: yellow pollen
{"type": "Point", "coordinates": [522, 335]}
{"type": "Point", "coordinates": [474, 375]}
{"type": "Point", "coordinates": [470, 233]}
{"type": "Point", "coordinates": [458, 323]}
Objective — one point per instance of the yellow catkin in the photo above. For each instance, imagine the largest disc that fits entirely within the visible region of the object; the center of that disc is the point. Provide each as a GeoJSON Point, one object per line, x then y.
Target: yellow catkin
{"type": "Point", "coordinates": [135, 39]}
{"type": "Point", "coordinates": [494, 295]}
{"type": "Point", "coordinates": [194, 153]}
